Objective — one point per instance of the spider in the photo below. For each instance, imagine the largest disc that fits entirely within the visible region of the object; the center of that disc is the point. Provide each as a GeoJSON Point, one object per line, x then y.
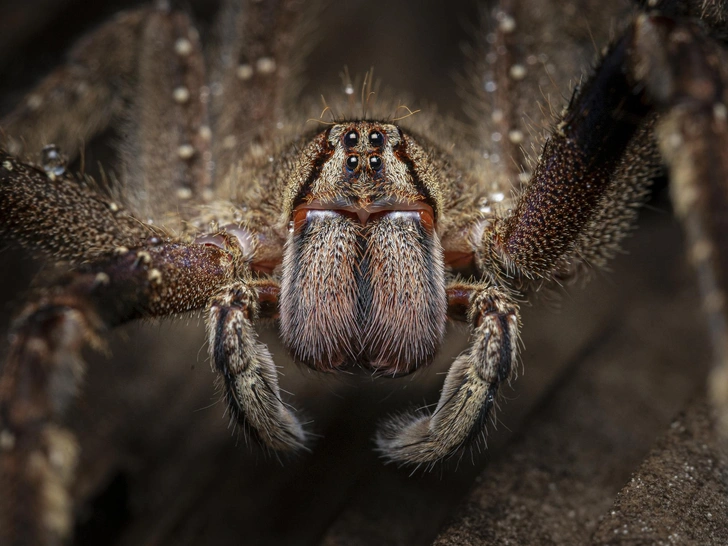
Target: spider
{"type": "Point", "coordinates": [362, 234]}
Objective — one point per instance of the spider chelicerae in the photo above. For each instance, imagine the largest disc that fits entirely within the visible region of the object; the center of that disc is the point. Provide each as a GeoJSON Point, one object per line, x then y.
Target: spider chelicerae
{"type": "Point", "coordinates": [362, 234]}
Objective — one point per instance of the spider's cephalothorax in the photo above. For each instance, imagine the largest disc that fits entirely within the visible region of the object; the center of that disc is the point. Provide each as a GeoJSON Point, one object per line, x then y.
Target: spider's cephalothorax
{"type": "Point", "coordinates": [379, 299]}
{"type": "Point", "coordinates": [363, 238]}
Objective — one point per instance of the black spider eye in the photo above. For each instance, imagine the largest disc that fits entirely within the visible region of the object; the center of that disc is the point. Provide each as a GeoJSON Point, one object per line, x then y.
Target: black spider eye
{"type": "Point", "coordinates": [351, 138]}
{"type": "Point", "coordinates": [375, 162]}
{"type": "Point", "coordinates": [376, 138]}
{"type": "Point", "coordinates": [352, 162]}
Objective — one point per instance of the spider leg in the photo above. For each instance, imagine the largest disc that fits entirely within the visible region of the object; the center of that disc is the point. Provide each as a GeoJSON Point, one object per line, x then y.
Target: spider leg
{"type": "Point", "coordinates": [662, 80]}
{"type": "Point", "coordinates": [44, 366]}
{"type": "Point", "coordinates": [60, 216]}
{"type": "Point", "coordinates": [586, 187]}
{"type": "Point", "coordinates": [686, 75]}
{"type": "Point", "coordinates": [37, 456]}
{"type": "Point", "coordinates": [471, 386]}
{"type": "Point", "coordinates": [249, 376]}
{"type": "Point", "coordinates": [120, 271]}
{"type": "Point", "coordinates": [144, 71]}
{"type": "Point", "coordinates": [79, 99]}
{"type": "Point", "coordinates": [260, 51]}
{"type": "Point", "coordinates": [595, 166]}
{"type": "Point", "coordinates": [525, 50]}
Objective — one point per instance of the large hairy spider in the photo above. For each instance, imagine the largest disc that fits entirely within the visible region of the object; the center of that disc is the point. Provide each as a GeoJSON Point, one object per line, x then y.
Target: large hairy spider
{"type": "Point", "coordinates": [361, 234]}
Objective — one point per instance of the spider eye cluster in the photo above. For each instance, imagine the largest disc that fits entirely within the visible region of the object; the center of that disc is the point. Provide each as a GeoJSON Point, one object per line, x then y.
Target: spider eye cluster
{"type": "Point", "coordinates": [351, 140]}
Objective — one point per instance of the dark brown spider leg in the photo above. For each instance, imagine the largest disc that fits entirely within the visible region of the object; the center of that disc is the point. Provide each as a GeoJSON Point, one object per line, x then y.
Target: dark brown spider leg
{"type": "Point", "coordinates": [79, 99]}
{"type": "Point", "coordinates": [687, 75]}
{"type": "Point", "coordinates": [60, 216]}
{"type": "Point", "coordinates": [248, 373]}
{"type": "Point", "coordinates": [146, 70]}
{"type": "Point", "coordinates": [469, 393]}
{"type": "Point", "coordinates": [261, 51]}
{"type": "Point", "coordinates": [167, 144]}
{"type": "Point", "coordinates": [44, 365]}
{"type": "Point", "coordinates": [585, 191]}
{"type": "Point", "coordinates": [570, 211]}
{"type": "Point", "coordinates": [37, 456]}
{"type": "Point", "coordinates": [528, 49]}
{"type": "Point", "coordinates": [711, 13]}
{"type": "Point", "coordinates": [122, 272]}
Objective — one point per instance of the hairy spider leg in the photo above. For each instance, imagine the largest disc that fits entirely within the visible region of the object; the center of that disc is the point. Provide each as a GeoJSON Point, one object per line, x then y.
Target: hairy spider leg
{"type": "Point", "coordinates": [684, 72]}
{"type": "Point", "coordinates": [471, 386]}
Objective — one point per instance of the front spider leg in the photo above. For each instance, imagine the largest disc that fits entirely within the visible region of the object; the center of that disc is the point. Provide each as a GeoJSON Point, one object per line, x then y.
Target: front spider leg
{"type": "Point", "coordinates": [662, 80]}
{"type": "Point", "coordinates": [44, 366]}
{"type": "Point", "coordinates": [472, 383]}
{"type": "Point", "coordinates": [249, 376]}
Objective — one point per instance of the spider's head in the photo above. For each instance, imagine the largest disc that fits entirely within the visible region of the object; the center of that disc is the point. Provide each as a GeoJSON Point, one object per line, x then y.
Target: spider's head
{"type": "Point", "coordinates": [364, 168]}
{"type": "Point", "coordinates": [363, 272]}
